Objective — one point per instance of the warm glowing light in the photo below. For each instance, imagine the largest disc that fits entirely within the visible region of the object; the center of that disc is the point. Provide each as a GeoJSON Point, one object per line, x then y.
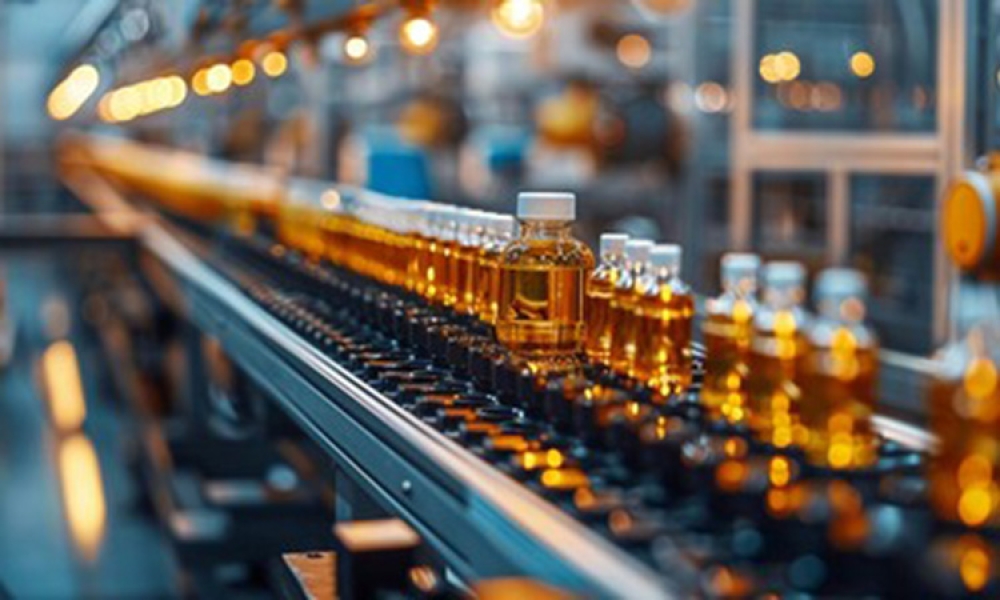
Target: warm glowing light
{"type": "Point", "coordinates": [199, 82]}
{"type": "Point", "coordinates": [243, 71]}
{"type": "Point", "coordinates": [219, 78]}
{"type": "Point", "coordinates": [862, 64]}
{"type": "Point", "coordinates": [634, 51]}
{"type": "Point", "coordinates": [357, 49]}
{"type": "Point", "coordinates": [71, 93]}
{"type": "Point", "coordinates": [274, 63]}
{"type": "Point", "coordinates": [63, 386]}
{"type": "Point", "coordinates": [178, 90]}
{"type": "Point", "coordinates": [518, 18]}
{"type": "Point", "coordinates": [418, 35]}
{"type": "Point", "coordinates": [787, 66]}
{"type": "Point", "coordinates": [974, 564]}
{"type": "Point", "coordinates": [783, 66]}
{"type": "Point", "coordinates": [82, 494]}
{"type": "Point", "coordinates": [125, 104]}
{"type": "Point", "coordinates": [711, 97]}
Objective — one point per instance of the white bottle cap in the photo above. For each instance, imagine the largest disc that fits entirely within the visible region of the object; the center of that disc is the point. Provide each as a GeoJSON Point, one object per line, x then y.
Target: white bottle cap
{"type": "Point", "coordinates": [665, 256]}
{"type": "Point", "coordinates": [638, 250]}
{"type": "Point", "coordinates": [613, 243]}
{"type": "Point", "coordinates": [546, 206]}
{"type": "Point", "coordinates": [840, 283]}
{"type": "Point", "coordinates": [783, 274]}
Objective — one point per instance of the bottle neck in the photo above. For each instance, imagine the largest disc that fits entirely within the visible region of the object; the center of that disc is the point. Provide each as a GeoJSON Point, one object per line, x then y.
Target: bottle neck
{"type": "Point", "coordinates": [848, 310]}
{"type": "Point", "coordinates": [663, 273]}
{"type": "Point", "coordinates": [613, 259]}
{"type": "Point", "coordinates": [546, 230]}
{"type": "Point", "coordinates": [740, 286]}
{"type": "Point", "coordinates": [782, 297]}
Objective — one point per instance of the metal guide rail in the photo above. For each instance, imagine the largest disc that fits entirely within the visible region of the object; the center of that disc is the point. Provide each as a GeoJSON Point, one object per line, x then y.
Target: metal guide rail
{"type": "Point", "coordinates": [483, 523]}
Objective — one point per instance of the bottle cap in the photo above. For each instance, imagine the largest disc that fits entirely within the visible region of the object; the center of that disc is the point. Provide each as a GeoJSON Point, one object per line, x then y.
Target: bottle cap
{"type": "Point", "coordinates": [665, 256]}
{"type": "Point", "coordinates": [840, 283]}
{"type": "Point", "coordinates": [546, 206]}
{"type": "Point", "coordinates": [613, 243]}
{"type": "Point", "coordinates": [783, 274]}
{"type": "Point", "coordinates": [638, 250]}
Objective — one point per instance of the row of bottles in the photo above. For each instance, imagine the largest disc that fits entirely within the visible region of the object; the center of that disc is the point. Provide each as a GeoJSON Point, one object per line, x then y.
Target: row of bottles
{"type": "Point", "coordinates": [793, 379]}
{"type": "Point", "coordinates": [639, 313]}
{"type": "Point", "coordinates": [790, 378]}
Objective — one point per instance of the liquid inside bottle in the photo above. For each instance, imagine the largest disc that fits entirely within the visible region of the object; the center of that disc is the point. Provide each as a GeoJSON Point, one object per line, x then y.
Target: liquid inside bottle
{"type": "Point", "coordinates": [964, 414]}
{"type": "Point", "coordinates": [600, 286]}
{"type": "Point", "coordinates": [664, 310]}
{"type": "Point", "coordinates": [839, 374]}
{"type": "Point", "coordinates": [727, 331]}
{"type": "Point", "coordinates": [448, 256]}
{"type": "Point", "coordinates": [498, 234]}
{"type": "Point", "coordinates": [775, 349]}
{"type": "Point", "coordinates": [470, 232]}
{"type": "Point", "coordinates": [622, 321]}
{"type": "Point", "coordinates": [542, 279]}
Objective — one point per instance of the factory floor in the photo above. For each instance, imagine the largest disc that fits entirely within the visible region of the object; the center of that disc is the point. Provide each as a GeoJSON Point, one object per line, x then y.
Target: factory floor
{"type": "Point", "coordinates": [72, 521]}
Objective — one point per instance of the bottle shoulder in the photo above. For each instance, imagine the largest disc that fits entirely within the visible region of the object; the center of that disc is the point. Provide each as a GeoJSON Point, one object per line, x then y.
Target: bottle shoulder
{"type": "Point", "coordinates": [541, 253]}
{"type": "Point", "coordinates": [823, 332]}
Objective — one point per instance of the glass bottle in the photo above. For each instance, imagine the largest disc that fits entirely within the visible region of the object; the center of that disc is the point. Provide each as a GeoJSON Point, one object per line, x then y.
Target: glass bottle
{"type": "Point", "coordinates": [542, 279]}
{"type": "Point", "coordinates": [839, 375]}
{"type": "Point", "coordinates": [664, 311]}
{"type": "Point", "coordinates": [727, 332]}
{"type": "Point", "coordinates": [622, 306]}
{"type": "Point", "coordinates": [964, 415]}
{"type": "Point", "coordinates": [600, 286]}
{"type": "Point", "coordinates": [498, 233]}
{"type": "Point", "coordinates": [775, 349]}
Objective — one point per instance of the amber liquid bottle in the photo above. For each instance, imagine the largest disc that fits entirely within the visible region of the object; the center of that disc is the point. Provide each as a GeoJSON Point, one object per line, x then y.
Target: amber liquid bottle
{"type": "Point", "coordinates": [664, 311]}
{"type": "Point", "coordinates": [621, 315]}
{"type": "Point", "coordinates": [775, 350]}
{"type": "Point", "coordinates": [727, 331]}
{"type": "Point", "coordinates": [839, 373]}
{"type": "Point", "coordinates": [498, 234]}
{"type": "Point", "coordinates": [964, 411]}
{"type": "Point", "coordinates": [468, 242]}
{"type": "Point", "coordinates": [542, 279]}
{"type": "Point", "coordinates": [600, 286]}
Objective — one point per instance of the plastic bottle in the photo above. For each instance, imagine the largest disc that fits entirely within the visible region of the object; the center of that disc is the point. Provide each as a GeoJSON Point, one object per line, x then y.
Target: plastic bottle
{"type": "Point", "coordinates": [600, 286]}
{"type": "Point", "coordinates": [727, 332]}
{"type": "Point", "coordinates": [664, 311]}
{"type": "Point", "coordinates": [542, 279]}
{"type": "Point", "coordinates": [964, 414]}
{"type": "Point", "coordinates": [498, 233]}
{"type": "Point", "coordinates": [839, 375]}
{"type": "Point", "coordinates": [622, 313]}
{"type": "Point", "coordinates": [777, 345]}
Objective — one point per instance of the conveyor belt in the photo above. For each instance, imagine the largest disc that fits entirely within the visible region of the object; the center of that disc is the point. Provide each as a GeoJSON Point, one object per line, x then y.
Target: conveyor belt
{"type": "Point", "coordinates": [483, 523]}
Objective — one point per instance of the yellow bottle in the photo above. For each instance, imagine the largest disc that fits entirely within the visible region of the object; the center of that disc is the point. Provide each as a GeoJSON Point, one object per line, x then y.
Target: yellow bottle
{"type": "Point", "coordinates": [468, 241]}
{"type": "Point", "coordinates": [498, 232]}
{"type": "Point", "coordinates": [727, 331]}
{"type": "Point", "coordinates": [600, 286]}
{"type": "Point", "coordinates": [839, 374]}
{"type": "Point", "coordinates": [416, 260]}
{"type": "Point", "coordinates": [664, 311]}
{"type": "Point", "coordinates": [964, 415]}
{"type": "Point", "coordinates": [542, 278]}
{"type": "Point", "coordinates": [438, 253]}
{"type": "Point", "coordinates": [622, 307]}
{"type": "Point", "coordinates": [775, 349]}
